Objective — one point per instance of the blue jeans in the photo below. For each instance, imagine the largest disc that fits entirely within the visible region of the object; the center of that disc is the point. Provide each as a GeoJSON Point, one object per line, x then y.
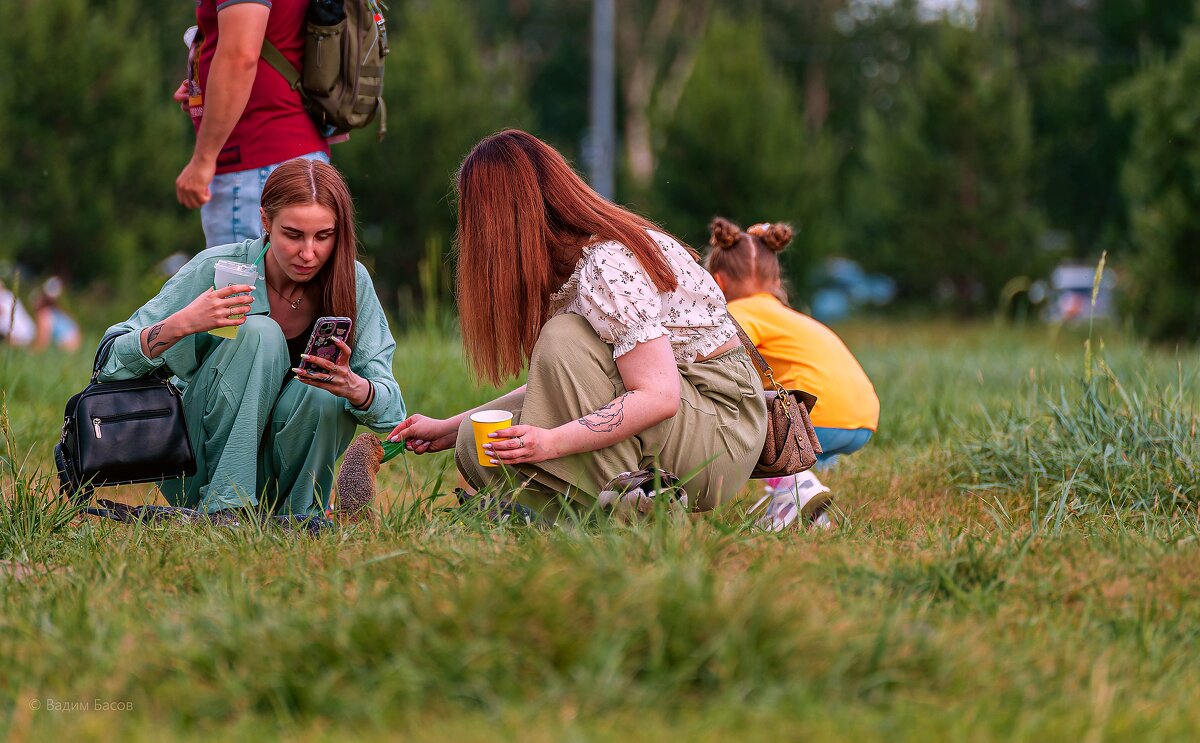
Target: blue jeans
{"type": "Point", "coordinates": [837, 441]}
{"type": "Point", "coordinates": [232, 214]}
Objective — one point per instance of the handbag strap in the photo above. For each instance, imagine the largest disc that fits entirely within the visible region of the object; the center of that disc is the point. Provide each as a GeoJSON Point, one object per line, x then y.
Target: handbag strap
{"type": "Point", "coordinates": [759, 362]}
{"type": "Point", "coordinates": [106, 344]}
{"type": "Point", "coordinates": [102, 352]}
{"type": "Point", "coordinates": [763, 367]}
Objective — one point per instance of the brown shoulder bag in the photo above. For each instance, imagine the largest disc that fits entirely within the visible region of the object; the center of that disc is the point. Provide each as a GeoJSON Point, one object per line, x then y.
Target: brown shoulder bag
{"type": "Point", "coordinates": [791, 445]}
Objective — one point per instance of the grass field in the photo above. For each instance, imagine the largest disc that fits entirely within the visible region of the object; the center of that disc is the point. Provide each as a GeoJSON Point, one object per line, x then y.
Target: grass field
{"type": "Point", "coordinates": [1018, 560]}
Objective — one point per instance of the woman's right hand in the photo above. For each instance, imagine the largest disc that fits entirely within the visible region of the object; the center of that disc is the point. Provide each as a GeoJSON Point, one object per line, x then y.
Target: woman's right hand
{"type": "Point", "coordinates": [181, 96]}
{"type": "Point", "coordinates": [425, 435]}
{"type": "Point", "coordinates": [215, 309]}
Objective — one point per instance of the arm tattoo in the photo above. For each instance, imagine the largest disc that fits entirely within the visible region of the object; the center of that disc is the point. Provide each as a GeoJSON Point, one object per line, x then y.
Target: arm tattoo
{"type": "Point", "coordinates": [152, 335]}
{"type": "Point", "coordinates": [607, 418]}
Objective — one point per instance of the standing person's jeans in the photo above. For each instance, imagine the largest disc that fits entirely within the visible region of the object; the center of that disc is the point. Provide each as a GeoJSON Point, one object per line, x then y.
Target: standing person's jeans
{"type": "Point", "coordinates": [232, 214]}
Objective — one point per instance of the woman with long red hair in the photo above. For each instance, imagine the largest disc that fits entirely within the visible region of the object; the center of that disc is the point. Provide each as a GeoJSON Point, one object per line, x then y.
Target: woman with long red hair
{"type": "Point", "coordinates": [261, 426]}
{"type": "Point", "coordinates": [633, 360]}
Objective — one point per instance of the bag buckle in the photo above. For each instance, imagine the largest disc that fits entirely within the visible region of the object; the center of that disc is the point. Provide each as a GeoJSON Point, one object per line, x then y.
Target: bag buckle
{"type": "Point", "coordinates": [780, 392]}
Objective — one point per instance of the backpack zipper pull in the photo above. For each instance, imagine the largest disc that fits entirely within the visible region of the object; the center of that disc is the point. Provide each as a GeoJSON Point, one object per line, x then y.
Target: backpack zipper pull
{"type": "Point", "coordinates": [96, 426]}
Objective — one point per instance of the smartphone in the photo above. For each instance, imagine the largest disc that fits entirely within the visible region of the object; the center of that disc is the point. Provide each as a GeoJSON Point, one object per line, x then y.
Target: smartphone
{"type": "Point", "coordinates": [320, 343]}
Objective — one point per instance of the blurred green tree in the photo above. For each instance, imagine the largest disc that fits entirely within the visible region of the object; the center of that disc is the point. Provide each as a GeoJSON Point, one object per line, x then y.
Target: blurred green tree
{"type": "Point", "coordinates": [548, 42]}
{"type": "Point", "coordinates": [738, 147]}
{"type": "Point", "coordinates": [93, 139]}
{"type": "Point", "coordinates": [847, 56]}
{"type": "Point", "coordinates": [942, 198]}
{"type": "Point", "coordinates": [657, 46]}
{"type": "Point", "coordinates": [1162, 187]}
{"type": "Point", "coordinates": [1073, 52]}
{"type": "Point", "coordinates": [444, 93]}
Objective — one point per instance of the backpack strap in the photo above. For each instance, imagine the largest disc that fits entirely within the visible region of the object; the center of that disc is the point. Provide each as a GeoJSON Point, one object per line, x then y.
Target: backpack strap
{"type": "Point", "coordinates": [275, 58]}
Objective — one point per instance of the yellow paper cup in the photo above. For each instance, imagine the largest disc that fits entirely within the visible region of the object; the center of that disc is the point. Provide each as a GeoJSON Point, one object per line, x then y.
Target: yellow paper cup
{"type": "Point", "coordinates": [483, 423]}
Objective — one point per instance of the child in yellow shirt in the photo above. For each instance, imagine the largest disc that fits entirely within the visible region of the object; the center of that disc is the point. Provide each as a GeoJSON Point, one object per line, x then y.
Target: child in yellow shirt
{"type": "Point", "coordinates": [803, 354]}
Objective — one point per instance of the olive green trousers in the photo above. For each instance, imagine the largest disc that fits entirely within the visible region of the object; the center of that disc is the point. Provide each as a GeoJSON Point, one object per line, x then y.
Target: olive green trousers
{"type": "Point", "coordinates": [254, 440]}
{"type": "Point", "coordinates": [712, 443]}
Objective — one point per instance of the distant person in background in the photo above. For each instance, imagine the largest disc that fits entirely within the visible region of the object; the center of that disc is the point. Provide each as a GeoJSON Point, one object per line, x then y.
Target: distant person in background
{"type": "Point", "coordinates": [248, 119]}
{"type": "Point", "coordinates": [16, 326]}
{"type": "Point", "coordinates": [803, 354]}
{"type": "Point", "coordinates": [54, 325]}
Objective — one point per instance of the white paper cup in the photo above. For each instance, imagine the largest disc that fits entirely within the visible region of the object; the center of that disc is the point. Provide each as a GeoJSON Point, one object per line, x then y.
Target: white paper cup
{"type": "Point", "coordinates": [232, 273]}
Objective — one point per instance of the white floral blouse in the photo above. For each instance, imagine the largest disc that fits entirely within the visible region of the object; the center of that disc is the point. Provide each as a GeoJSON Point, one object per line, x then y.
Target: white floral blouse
{"type": "Point", "coordinates": [615, 294]}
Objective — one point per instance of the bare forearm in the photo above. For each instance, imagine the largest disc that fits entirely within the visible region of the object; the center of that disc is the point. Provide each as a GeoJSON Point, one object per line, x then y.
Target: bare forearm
{"type": "Point", "coordinates": [229, 83]}
{"type": "Point", "coordinates": [362, 392]}
{"type": "Point", "coordinates": [160, 336]}
{"type": "Point", "coordinates": [623, 418]}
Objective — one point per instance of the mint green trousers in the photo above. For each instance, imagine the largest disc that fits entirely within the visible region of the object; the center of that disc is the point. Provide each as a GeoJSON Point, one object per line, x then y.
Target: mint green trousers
{"type": "Point", "coordinates": [256, 439]}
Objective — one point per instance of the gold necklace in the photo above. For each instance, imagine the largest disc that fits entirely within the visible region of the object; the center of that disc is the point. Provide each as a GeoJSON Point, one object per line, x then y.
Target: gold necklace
{"type": "Point", "coordinates": [295, 304]}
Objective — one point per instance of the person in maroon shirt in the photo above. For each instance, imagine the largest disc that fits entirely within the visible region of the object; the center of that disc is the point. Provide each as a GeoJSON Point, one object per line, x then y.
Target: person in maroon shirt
{"type": "Point", "coordinates": [248, 120]}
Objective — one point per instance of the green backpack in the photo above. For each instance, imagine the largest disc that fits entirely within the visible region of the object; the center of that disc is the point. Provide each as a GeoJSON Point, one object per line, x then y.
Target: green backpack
{"type": "Point", "coordinates": [342, 80]}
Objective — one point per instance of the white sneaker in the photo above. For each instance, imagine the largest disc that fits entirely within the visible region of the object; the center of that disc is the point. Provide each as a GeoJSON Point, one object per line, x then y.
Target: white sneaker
{"type": "Point", "coordinates": [801, 495]}
{"type": "Point", "coordinates": [822, 520]}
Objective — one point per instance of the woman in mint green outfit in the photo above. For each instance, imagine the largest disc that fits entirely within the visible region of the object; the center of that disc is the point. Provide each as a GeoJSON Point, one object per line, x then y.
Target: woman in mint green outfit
{"type": "Point", "coordinates": [261, 427]}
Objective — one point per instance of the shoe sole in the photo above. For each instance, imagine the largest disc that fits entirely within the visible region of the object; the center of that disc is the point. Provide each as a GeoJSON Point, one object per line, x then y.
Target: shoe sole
{"type": "Point", "coordinates": [816, 504]}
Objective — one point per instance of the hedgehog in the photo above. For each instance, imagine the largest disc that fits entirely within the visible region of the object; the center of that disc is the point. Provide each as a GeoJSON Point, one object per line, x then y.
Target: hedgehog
{"type": "Point", "coordinates": [356, 479]}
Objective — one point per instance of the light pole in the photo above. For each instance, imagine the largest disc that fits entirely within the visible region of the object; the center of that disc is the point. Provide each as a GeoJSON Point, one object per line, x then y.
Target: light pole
{"type": "Point", "coordinates": [602, 142]}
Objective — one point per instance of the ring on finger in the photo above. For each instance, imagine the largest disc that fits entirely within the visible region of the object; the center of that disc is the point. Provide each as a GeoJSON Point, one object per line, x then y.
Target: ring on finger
{"type": "Point", "coordinates": [520, 443]}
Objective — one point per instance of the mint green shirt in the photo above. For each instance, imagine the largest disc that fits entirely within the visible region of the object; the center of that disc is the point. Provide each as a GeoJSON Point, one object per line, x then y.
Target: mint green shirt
{"type": "Point", "coordinates": [371, 357]}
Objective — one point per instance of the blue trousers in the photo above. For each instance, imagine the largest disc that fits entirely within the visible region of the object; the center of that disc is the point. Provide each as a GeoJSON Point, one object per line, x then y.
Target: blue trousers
{"type": "Point", "coordinates": [838, 441]}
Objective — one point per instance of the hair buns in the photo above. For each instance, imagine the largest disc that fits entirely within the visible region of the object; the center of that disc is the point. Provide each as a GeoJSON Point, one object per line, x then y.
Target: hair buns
{"type": "Point", "coordinates": [776, 236]}
{"type": "Point", "coordinates": [725, 234]}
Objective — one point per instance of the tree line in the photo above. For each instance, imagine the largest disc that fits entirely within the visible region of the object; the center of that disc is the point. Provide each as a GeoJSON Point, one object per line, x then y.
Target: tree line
{"type": "Point", "coordinates": [952, 150]}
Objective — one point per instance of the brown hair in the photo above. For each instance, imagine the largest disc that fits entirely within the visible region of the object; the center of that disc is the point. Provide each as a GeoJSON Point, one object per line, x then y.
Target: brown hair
{"type": "Point", "coordinates": [300, 182]}
{"type": "Point", "coordinates": [748, 256]}
{"type": "Point", "coordinates": [524, 218]}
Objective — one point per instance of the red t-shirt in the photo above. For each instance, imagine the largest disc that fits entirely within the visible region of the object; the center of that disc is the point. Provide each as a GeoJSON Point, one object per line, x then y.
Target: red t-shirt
{"type": "Point", "coordinates": [274, 127]}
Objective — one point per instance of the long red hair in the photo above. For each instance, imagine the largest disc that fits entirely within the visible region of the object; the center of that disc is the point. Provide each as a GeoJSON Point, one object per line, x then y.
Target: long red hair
{"type": "Point", "coordinates": [524, 218]}
{"type": "Point", "coordinates": [300, 182]}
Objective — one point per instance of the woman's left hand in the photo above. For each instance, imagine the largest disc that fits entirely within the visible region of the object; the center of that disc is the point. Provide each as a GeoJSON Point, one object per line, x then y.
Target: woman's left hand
{"type": "Point", "coordinates": [523, 445]}
{"type": "Point", "coordinates": [336, 378]}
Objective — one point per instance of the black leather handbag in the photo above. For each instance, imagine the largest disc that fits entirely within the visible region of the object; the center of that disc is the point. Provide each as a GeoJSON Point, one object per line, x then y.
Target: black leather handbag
{"type": "Point", "coordinates": [122, 433]}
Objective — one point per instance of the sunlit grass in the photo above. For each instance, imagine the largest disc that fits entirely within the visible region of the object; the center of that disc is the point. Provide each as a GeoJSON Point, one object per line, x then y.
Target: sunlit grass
{"type": "Point", "coordinates": [941, 609]}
